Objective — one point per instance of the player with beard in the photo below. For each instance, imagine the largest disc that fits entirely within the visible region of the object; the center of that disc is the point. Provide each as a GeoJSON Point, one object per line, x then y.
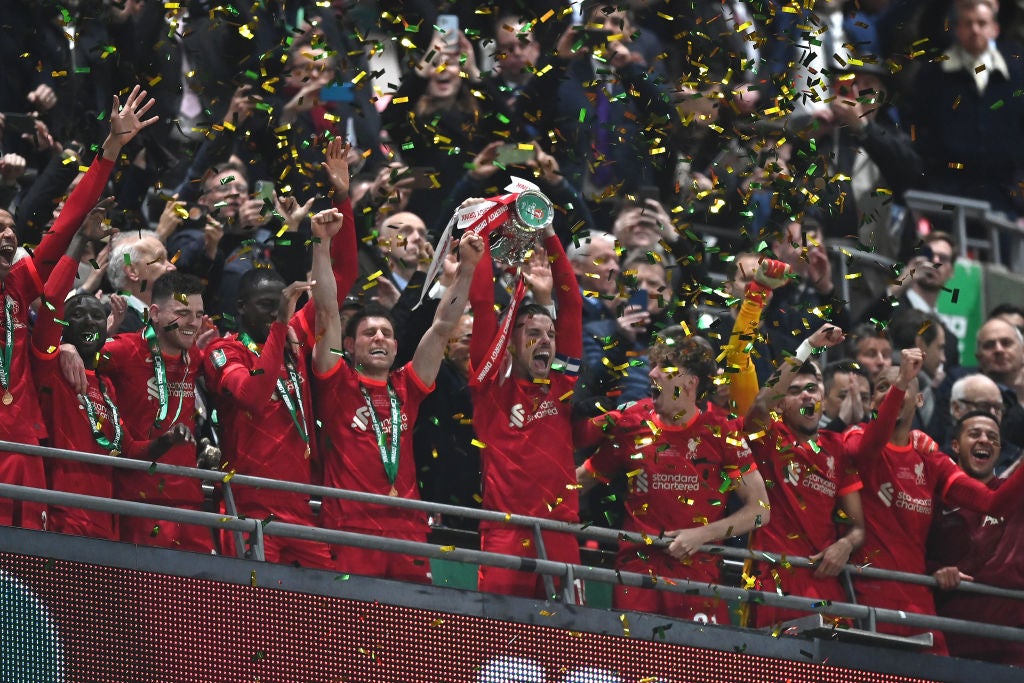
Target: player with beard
{"type": "Point", "coordinates": [525, 421]}
{"type": "Point", "coordinates": [86, 421]}
{"type": "Point", "coordinates": [810, 480]}
{"type": "Point", "coordinates": [369, 410]}
{"type": "Point", "coordinates": [682, 464]}
{"type": "Point", "coordinates": [973, 546]}
{"type": "Point", "coordinates": [155, 371]}
{"type": "Point", "coordinates": [21, 282]}
{"type": "Point", "coordinates": [903, 482]}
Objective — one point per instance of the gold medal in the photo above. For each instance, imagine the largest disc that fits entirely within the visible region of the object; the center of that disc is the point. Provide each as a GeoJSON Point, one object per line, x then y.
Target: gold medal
{"type": "Point", "coordinates": [8, 399]}
{"type": "Point", "coordinates": [393, 492]}
{"type": "Point", "coordinates": [307, 451]}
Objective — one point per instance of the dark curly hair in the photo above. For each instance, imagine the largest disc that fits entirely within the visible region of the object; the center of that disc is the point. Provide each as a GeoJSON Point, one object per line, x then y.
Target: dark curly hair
{"type": "Point", "coordinates": [676, 347]}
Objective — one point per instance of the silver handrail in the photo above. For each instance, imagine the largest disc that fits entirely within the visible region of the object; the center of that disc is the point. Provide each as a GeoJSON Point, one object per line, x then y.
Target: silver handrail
{"type": "Point", "coordinates": [257, 529]}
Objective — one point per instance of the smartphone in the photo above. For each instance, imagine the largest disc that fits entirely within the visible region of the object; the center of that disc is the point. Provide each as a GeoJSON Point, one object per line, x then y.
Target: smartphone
{"type": "Point", "coordinates": [592, 37]}
{"type": "Point", "coordinates": [645, 192]}
{"type": "Point", "coordinates": [338, 92]}
{"type": "Point", "coordinates": [422, 178]}
{"type": "Point", "coordinates": [639, 299]}
{"type": "Point", "coordinates": [265, 191]}
{"type": "Point", "coordinates": [512, 154]}
{"type": "Point", "coordinates": [448, 26]}
{"type": "Point", "coordinates": [19, 124]}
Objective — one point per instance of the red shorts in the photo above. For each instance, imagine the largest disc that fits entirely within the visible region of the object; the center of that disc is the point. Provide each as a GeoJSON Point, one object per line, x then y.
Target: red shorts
{"type": "Point", "coordinates": [900, 596]}
{"type": "Point", "coordinates": [166, 534]}
{"type": "Point", "coordinates": [297, 551]}
{"type": "Point", "coordinates": [79, 522]}
{"type": "Point", "coordinates": [560, 547]}
{"type": "Point", "coordinates": [22, 470]}
{"type": "Point", "coordinates": [382, 564]}
{"type": "Point", "coordinates": [664, 568]}
{"type": "Point", "coordinates": [797, 582]}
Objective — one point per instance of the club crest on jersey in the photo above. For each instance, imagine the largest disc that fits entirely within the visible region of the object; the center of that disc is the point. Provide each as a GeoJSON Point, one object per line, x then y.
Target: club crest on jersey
{"type": "Point", "coordinates": [919, 474]}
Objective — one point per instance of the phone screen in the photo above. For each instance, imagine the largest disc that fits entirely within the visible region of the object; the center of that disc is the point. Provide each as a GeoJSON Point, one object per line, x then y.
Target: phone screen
{"type": "Point", "coordinates": [448, 27]}
{"type": "Point", "coordinates": [19, 124]}
{"type": "Point", "coordinates": [265, 190]}
{"type": "Point", "coordinates": [514, 154]}
{"type": "Point", "coordinates": [639, 298]}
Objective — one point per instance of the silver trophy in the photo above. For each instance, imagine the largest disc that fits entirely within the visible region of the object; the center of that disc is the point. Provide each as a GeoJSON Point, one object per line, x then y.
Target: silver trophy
{"type": "Point", "coordinates": [529, 215]}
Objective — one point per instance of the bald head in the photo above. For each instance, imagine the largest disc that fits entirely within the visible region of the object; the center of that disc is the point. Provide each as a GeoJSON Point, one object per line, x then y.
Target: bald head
{"type": "Point", "coordinates": [403, 238]}
{"type": "Point", "coordinates": [975, 392]}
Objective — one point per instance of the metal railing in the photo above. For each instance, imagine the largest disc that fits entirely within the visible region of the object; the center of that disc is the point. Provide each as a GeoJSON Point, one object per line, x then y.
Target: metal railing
{"type": "Point", "coordinates": [998, 230]}
{"type": "Point", "coordinates": [256, 529]}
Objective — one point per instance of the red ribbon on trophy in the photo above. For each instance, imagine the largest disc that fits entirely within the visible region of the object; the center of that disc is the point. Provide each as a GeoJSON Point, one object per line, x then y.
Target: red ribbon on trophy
{"type": "Point", "coordinates": [517, 217]}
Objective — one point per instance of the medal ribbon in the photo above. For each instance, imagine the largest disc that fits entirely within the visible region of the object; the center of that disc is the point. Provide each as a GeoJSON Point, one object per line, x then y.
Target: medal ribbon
{"type": "Point", "coordinates": [5, 357]}
{"type": "Point", "coordinates": [160, 373]}
{"type": "Point", "coordinates": [388, 452]}
{"type": "Point", "coordinates": [113, 446]}
{"type": "Point", "coordinates": [282, 388]}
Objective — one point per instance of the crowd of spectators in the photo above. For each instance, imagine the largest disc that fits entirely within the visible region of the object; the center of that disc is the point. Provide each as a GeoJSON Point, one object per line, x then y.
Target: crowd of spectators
{"type": "Point", "coordinates": [257, 233]}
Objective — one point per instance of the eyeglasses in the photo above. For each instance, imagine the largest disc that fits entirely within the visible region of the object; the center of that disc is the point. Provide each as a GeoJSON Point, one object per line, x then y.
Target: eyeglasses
{"type": "Point", "coordinates": [987, 406]}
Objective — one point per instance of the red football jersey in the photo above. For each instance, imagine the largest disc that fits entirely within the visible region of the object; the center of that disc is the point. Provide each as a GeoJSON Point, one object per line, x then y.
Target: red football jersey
{"type": "Point", "coordinates": [22, 420]}
{"type": "Point", "coordinates": [804, 481]}
{"type": "Point", "coordinates": [526, 457]}
{"type": "Point", "coordinates": [70, 428]}
{"type": "Point", "coordinates": [127, 362]}
{"type": "Point", "coordinates": [258, 434]}
{"type": "Point", "coordinates": [990, 549]}
{"type": "Point", "coordinates": [902, 486]}
{"type": "Point", "coordinates": [351, 456]}
{"type": "Point", "coordinates": [679, 475]}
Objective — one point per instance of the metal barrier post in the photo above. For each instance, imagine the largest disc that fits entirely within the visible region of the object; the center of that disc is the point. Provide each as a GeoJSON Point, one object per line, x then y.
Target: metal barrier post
{"type": "Point", "coordinates": [256, 539]}
{"type": "Point", "coordinates": [232, 509]}
{"type": "Point", "coordinates": [569, 586]}
{"type": "Point", "coordinates": [542, 554]}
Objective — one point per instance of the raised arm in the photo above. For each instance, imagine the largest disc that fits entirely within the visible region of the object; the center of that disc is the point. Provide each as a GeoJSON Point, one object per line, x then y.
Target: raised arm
{"type": "Point", "coordinates": [485, 319]}
{"type": "Point", "coordinates": [125, 123]}
{"type": "Point", "coordinates": [430, 350]}
{"type": "Point", "coordinates": [252, 388]}
{"type": "Point", "coordinates": [327, 347]}
{"type": "Point", "coordinates": [569, 324]}
{"type": "Point", "coordinates": [876, 433]}
{"type": "Point", "coordinates": [344, 250]}
{"type": "Point", "coordinates": [344, 247]}
{"type": "Point", "coordinates": [759, 415]}
{"type": "Point", "coordinates": [46, 335]}
{"type": "Point", "coordinates": [743, 385]}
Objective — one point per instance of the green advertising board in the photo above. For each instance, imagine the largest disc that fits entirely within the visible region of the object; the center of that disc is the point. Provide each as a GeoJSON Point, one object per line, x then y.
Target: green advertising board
{"type": "Point", "coordinates": [962, 306]}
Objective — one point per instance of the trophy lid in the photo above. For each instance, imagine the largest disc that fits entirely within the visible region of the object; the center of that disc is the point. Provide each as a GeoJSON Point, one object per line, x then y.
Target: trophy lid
{"type": "Point", "coordinates": [533, 210]}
